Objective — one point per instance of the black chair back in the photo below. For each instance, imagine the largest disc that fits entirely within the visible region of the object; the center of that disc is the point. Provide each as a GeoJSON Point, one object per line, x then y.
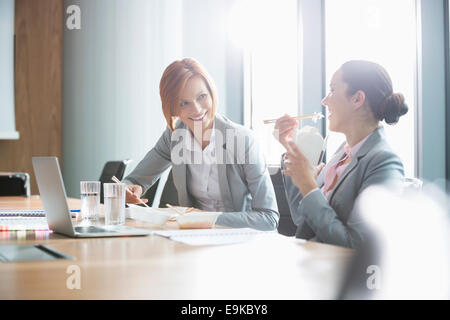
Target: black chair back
{"type": "Point", "coordinates": [150, 193]}
{"type": "Point", "coordinates": [14, 184]}
{"type": "Point", "coordinates": [112, 168]}
{"type": "Point", "coordinates": [169, 194]}
{"type": "Point", "coordinates": [285, 226]}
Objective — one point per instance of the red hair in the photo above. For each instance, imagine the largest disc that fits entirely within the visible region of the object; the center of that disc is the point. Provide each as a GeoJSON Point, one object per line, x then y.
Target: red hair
{"type": "Point", "coordinates": [174, 80]}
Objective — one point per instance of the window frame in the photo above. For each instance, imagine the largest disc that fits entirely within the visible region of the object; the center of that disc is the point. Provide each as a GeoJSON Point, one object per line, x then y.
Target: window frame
{"type": "Point", "coordinates": [447, 86]}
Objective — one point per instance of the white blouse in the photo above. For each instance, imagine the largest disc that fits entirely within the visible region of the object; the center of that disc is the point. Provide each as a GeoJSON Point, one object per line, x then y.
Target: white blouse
{"type": "Point", "coordinates": [202, 179]}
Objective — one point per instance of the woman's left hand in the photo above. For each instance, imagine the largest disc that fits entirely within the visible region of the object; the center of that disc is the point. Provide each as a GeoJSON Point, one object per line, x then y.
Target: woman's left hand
{"type": "Point", "coordinates": [302, 173]}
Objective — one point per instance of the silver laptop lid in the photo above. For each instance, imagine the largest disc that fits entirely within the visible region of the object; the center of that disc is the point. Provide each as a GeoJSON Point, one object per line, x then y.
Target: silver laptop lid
{"type": "Point", "coordinates": [53, 194]}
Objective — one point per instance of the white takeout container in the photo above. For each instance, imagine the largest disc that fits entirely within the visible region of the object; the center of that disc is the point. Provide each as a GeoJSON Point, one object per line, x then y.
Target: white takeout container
{"type": "Point", "coordinates": [150, 215]}
{"type": "Point", "coordinates": [197, 220]}
{"type": "Point", "coordinates": [310, 142]}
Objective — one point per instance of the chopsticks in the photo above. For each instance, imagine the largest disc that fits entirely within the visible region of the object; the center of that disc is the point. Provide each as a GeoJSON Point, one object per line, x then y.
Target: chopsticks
{"type": "Point", "coordinates": [128, 190]}
{"type": "Point", "coordinates": [178, 210]}
{"type": "Point", "coordinates": [174, 208]}
{"type": "Point", "coordinates": [311, 116]}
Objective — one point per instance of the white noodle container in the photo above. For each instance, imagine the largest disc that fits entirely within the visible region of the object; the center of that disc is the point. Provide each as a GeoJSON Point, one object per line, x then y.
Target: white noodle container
{"type": "Point", "coordinates": [151, 215]}
{"type": "Point", "coordinates": [197, 220]}
{"type": "Point", "coordinates": [310, 142]}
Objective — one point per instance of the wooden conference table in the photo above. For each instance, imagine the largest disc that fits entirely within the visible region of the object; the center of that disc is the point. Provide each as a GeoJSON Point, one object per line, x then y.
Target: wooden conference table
{"type": "Point", "coordinates": [152, 267]}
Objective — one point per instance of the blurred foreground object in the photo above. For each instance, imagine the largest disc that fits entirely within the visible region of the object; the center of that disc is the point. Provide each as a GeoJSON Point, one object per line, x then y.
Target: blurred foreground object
{"type": "Point", "coordinates": [407, 255]}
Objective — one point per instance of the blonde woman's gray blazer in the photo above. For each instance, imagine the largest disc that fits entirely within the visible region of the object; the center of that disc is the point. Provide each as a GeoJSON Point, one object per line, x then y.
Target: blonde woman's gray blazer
{"type": "Point", "coordinates": [335, 221]}
{"type": "Point", "coordinates": [246, 188]}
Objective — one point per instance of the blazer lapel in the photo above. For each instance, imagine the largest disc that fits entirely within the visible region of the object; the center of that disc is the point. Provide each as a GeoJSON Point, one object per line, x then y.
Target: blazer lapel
{"type": "Point", "coordinates": [337, 157]}
{"type": "Point", "coordinates": [347, 170]}
{"type": "Point", "coordinates": [221, 157]}
{"type": "Point", "coordinates": [179, 179]}
{"type": "Point", "coordinates": [374, 138]}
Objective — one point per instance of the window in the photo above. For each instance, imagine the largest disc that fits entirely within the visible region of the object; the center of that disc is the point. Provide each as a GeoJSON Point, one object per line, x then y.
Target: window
{"type": "Point", "coordinates": [382, 31]}
{"type": "Point", "coordinates": [268, 32]}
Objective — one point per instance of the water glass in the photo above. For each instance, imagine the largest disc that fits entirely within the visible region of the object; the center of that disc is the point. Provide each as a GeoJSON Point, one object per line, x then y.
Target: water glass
{"type": "Point", "coordinates": [114, 201]}
{"type": "Point", "coordinates": [90, 200]}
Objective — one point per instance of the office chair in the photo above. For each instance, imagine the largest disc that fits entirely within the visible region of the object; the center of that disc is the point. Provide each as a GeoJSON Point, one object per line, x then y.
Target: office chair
{"type": "Point", "coordinates": [169, 194]}
{"type": "Point", "coordinates": [112, 168]}
{"type": "Point", "coordinates": [285, 226]}
{"type": "Point", "coordinates": [14, 184]}
{"type": "Point", "coordinates": [150, 193]}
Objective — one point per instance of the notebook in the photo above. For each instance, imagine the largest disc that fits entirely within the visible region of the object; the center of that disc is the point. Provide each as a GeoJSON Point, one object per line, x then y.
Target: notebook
{"type": "Point", "coordinates": [22, 213]}
{"type": "Point", "coordinates": [23, 223]}
{"type": "Point", "coordinates": [27, 213]}
{"type": "Point", "coordinates": [199, 237]}
{"type": "Point", "coordinates": [24, 219]}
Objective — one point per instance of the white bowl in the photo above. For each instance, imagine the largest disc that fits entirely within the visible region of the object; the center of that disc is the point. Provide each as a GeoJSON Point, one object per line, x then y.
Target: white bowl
{"type": "Point", "coordinates": [197, 220]}
{"type": "Point", "coordinates": [150, 215]}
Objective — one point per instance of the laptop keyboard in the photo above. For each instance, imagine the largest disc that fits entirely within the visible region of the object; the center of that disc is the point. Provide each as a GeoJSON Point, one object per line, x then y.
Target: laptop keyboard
{"type": "Point", "coordinates": [91, 229]}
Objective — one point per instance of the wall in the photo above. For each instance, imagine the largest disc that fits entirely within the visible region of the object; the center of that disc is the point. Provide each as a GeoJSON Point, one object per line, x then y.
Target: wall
{"type": "Point", "coordinates": [205, 39]}
{"type": "Point", "coordinates": [112, 68]}
{"type": "Point", "coordinates": [38, 62]}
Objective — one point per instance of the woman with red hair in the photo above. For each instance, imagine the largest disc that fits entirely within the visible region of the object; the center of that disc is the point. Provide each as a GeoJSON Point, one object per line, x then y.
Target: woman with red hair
{"type": "Point", "coordinates": [200, 145]}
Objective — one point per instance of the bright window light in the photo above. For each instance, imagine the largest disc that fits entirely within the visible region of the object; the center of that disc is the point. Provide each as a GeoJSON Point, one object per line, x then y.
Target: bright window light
{"type": "Point", "coordinates": [267, 30]}
{"type": "Point", "coordinates": [384, 32]}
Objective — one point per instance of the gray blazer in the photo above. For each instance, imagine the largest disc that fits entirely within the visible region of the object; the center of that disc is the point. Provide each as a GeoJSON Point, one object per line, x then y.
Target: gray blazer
{"type": "Point", "coordinates": [246, 189]}
{"type": "Point", "coordinates": [335, 221]}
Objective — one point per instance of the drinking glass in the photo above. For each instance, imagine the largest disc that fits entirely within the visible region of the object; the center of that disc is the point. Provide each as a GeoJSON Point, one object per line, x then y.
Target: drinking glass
{"type": "Point", "coordinates": [90, 200]}
{"type": "Point", "coordinates": [114, 201]}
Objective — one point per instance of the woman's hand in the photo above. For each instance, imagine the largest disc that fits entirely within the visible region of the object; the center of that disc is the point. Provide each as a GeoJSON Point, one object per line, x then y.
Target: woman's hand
{"type": "Point", "coordinates": [284, 129]}
{"type": "Point", "coordinates": [135, 196]}
{"type": "Point", "coordinates": [302, 173]}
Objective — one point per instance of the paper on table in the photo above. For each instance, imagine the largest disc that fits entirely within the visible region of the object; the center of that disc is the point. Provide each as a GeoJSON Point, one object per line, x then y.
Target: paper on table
{"type": "Point", "coordinates": [199, 237]}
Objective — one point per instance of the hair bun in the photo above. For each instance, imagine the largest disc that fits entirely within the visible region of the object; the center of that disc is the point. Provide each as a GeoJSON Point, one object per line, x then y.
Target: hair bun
{"type": "Point", "coordinates": [394, 107]}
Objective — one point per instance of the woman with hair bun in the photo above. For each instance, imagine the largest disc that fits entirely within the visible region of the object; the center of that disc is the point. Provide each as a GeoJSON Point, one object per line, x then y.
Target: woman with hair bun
{"type": "Point", "coordinates": [322, 198]}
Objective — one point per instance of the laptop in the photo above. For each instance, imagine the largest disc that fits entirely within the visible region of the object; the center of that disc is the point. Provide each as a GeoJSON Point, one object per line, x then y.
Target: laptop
{"type": "Point", "coordinates": [54, 199]}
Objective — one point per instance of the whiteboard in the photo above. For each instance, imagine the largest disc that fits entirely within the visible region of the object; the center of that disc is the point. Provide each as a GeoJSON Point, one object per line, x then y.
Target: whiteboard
{"type": "Point", "coordinates": [7, 119]}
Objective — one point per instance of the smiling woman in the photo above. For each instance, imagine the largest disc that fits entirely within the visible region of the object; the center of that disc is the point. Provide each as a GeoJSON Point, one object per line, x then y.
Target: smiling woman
{"type": "Point", "coordinates": [189, 94]}
{"type": "Point", "coordinates": [197, 104]}
{"type": "Point", "coordinates": [237, 185]}
{"type": "Point", "coordinates": [322, 199]}
{"type": "Point", "coordinates": [194, 90]}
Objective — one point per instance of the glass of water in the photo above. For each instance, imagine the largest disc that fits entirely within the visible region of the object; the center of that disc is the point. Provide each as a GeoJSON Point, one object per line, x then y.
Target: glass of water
{"type": "Point", "coordinates": [114, 202]}
{"type": "Point", "coordinates": [90, 200]}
